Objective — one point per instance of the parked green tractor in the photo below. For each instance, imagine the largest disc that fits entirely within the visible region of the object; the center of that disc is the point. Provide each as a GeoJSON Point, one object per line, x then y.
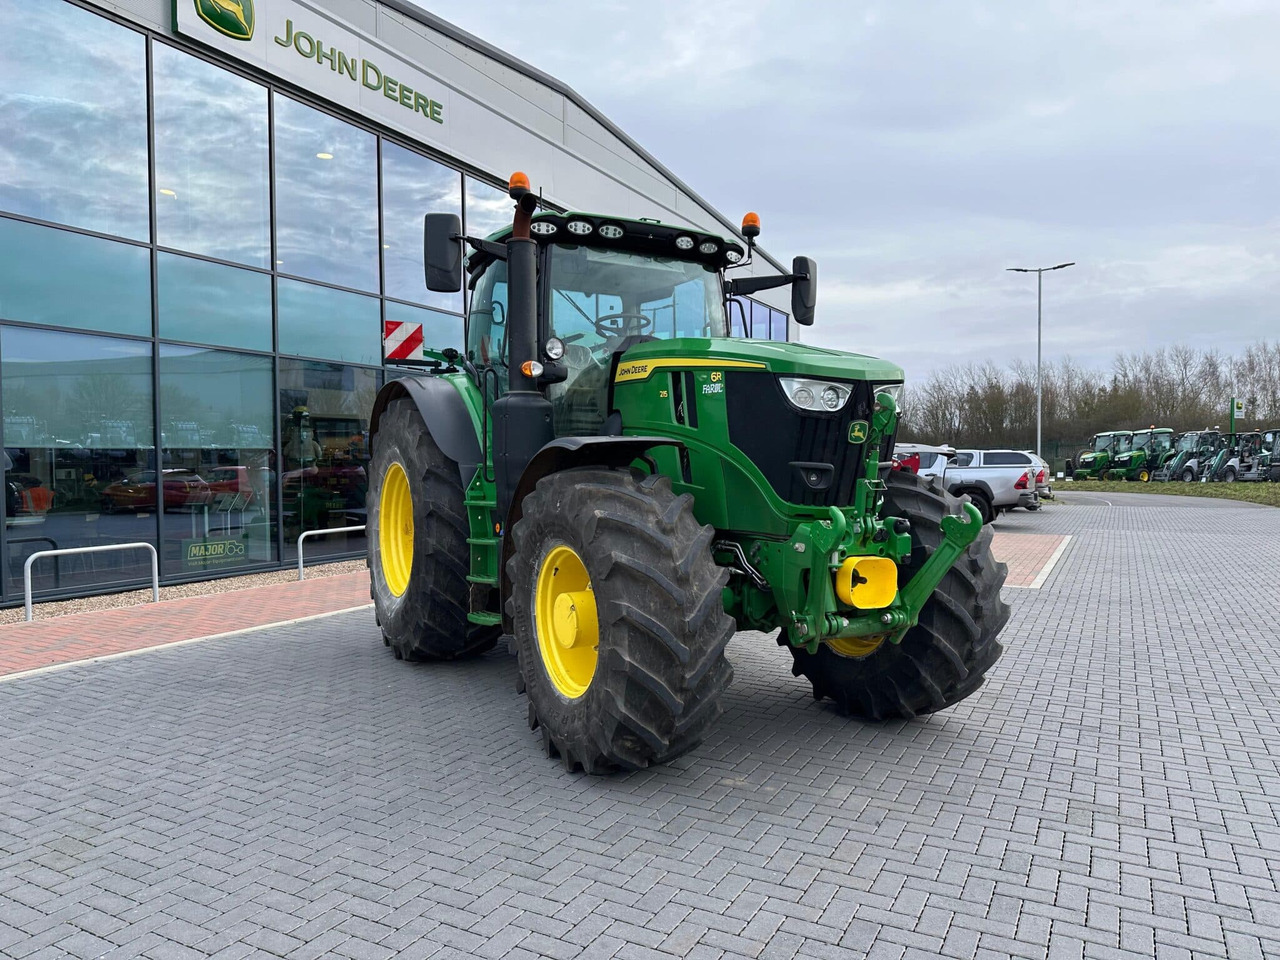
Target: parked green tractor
{"type": "Point", "coordinates": [1147, 451]}
{"type": "Point", "coordinates": [609, 480]}
{"type": "Point", "coordinates": [1093, 464]}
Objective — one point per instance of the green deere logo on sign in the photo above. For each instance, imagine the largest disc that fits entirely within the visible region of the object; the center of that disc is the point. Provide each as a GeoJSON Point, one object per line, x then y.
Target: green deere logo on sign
{"type": "Point", "coordinates": [858, 431]}
{"type": "Point", "coordinates": [231, 17]}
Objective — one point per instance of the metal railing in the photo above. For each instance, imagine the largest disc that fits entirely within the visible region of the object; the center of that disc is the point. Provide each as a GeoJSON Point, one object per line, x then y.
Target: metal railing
{"type": "Point", "coordinates": [320, 533]}
{"type": "Point", "coordinates": [26, 567]}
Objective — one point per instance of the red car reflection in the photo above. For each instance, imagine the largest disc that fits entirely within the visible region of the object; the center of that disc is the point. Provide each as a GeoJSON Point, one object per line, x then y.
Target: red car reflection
{"type": "Point", "coordinates": [182, 488]}
{"type": "Point", "coordinates": [230, 480]}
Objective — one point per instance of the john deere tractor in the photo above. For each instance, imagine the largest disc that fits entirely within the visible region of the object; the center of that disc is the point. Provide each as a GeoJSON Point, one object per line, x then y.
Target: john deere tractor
{"type": "Point", "coordinates": [1146, 452]}
{"type": "Point", "coordinates": [1093, 464]}
{"type": "Point", "coordinates": [610, 481]}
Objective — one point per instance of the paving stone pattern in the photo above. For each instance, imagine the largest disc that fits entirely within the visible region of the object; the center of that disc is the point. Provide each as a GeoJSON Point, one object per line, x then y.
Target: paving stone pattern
{"type": "Point", "coordinates": [1111, 792]}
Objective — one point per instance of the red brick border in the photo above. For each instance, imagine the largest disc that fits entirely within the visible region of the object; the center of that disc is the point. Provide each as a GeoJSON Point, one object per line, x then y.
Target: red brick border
{"type": "Point", "coordinates": [86, 636]}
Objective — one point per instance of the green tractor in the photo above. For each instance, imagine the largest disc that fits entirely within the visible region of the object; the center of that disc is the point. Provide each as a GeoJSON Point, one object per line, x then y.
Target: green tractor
{"type": "Point", "coordinates": [1147, 451]}
{"type": "Point", "coordinates": [615, 485]}
{"type": "Point", "coordinates": [1092, 464]}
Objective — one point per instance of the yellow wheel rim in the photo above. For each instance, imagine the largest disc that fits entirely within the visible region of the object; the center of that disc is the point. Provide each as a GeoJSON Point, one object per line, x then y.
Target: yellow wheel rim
{"type": "Point", "coordinates": [1144, 476]}
{"type": "Point", "coordinates": [855, 646]}
{"type": "Point", "coordinates": [395, 529]}
{"type": "Point", "coordinates": [564, 613]}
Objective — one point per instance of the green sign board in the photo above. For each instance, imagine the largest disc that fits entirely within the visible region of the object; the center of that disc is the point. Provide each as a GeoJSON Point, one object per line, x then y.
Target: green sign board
{"type": "Point", "coordinates": [209, 554]}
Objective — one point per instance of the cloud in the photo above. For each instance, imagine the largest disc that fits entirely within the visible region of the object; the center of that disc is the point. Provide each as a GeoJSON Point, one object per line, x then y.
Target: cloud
{"type": "Point", "coordinates": [916, 150]}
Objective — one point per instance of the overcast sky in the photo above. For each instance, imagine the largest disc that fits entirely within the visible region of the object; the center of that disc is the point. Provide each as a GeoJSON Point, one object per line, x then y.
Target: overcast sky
{"type": "Point", "coordinates": [917, 149]}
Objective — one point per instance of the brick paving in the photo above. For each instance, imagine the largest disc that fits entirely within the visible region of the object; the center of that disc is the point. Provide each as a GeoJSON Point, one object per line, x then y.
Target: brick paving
{"type": "Point", "coordinates": [99, 633]}
{"type": "Point", "coordinates": [1113, 791]}
{"type": "Point", "coordinates": [1029, 556]}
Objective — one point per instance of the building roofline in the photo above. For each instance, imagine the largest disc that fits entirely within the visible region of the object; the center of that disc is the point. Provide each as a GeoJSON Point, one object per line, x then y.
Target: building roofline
{"type": "Point", "coordinates": [470, 40]}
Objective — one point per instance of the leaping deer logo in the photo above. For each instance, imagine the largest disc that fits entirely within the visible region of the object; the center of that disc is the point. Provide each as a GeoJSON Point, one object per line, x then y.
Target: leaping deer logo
{"type": "Point", "coordinates": [234, 18]}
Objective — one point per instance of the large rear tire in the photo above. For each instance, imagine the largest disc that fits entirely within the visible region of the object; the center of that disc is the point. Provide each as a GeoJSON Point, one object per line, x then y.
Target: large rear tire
{"type": "Point", "coordinates": [946, 656]}
{"type": "Point", "coordinates": [417, 534]}
{"type": "Point", "coordinates": [619, 622]}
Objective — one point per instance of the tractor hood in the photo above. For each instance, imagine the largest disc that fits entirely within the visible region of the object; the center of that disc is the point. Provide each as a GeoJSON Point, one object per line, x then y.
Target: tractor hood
{"type": "Point", "coordinates": [775, 356]}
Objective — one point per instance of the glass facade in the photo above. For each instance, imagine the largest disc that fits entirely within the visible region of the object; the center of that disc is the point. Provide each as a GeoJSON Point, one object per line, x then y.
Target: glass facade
{"type": "Point", "coordinates": [762, 322]}
{"type": "Point", "coordinates": [189, 359]}
{"type": "Point", "coordinates": [197, 270]}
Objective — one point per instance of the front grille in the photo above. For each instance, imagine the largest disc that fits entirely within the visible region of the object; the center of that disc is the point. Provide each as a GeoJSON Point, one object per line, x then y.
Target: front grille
{"type": "Point", "coordinates": [775, 435]}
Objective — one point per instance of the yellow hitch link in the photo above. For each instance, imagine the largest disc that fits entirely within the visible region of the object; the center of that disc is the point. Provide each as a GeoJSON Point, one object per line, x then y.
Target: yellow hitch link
{"type": "Point", "coordinates": [868, 583]}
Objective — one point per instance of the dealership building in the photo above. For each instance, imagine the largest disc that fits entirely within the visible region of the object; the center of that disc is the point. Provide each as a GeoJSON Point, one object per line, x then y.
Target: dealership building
{"type": "Point", "coordinates": [211, 259]}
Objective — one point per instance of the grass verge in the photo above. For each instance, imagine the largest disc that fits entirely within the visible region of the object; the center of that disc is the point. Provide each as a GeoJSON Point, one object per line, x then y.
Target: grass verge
{"type": "Point", "coordinates": [1268, 493]}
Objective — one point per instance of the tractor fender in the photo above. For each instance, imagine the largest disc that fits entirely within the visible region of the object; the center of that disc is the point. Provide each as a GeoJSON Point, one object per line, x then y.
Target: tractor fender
{"type": "Point", "coordinates": [565, 453]}
{"type": "Point", "coordinates": [445, 414]}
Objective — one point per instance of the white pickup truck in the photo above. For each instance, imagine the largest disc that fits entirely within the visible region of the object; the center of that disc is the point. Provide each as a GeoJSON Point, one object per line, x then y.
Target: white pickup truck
{"type": "Point", "coordinates": [995, 480]}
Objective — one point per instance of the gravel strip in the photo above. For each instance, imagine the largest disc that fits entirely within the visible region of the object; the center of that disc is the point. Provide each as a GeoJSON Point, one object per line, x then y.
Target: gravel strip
{"type": "Point", "coordinates": [110, 601]}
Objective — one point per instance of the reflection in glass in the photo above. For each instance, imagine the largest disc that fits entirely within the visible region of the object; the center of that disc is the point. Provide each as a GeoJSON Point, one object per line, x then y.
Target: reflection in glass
{"type": "Point", "coordinates": [413, 186]}
{"type": "Point", "coordinates": [488, 209]}
{"type": "Point", "coordinates": [77, 432]}
{"type": "Point", "coordinates": [218, 456]}
{"type": "Point", "coordinates": [66, 279]}
{"type": "Point", "coordinates": [439, 330]}
{"type": "Point", "coordinates": [324, 439]}
{"type": "Point", "coordinates": [778, 326]}
{"type": "Point", "coordinates": [326, 197]}
{"type": "Point", "coordinates": [207, 302]}
{"type": "Point", "coordinates": [73, 111]}
{"type": "Point", "coordinates": [318, 321]}
{"type": "Point", "coordinates": [211, 160]}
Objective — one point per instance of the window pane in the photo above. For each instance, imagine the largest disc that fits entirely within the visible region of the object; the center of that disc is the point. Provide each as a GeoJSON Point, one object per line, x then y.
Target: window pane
{"type": "Point", "coordinates": [217, 418]}
{"type": "Point", "coordinates": [70, 280]}
{"type": "Point", "coordinates": [326, 198]}
{"type": "Point", "coordinates": [759, 321]}
{"type": "Point", "coordinates": [333, 324]}
{"type": "Point", "coordinates": [439, 330]}
{"type": "Point", "coordinates": [739, 311]}
{"type": "Point", "coordinates": [778, 325]}
{"type": "Point", "coordinates": [79, 463]}
{"type": "Point", "coordinates": [324, 437]}
{"type": "Point", "coordinates": [73, 108]}
{"type": "Point", "coordinates": [212, 303]}
{"type": "Point", "coordinates": [413, 186]}
{"type": "Point", "coordinates": [211, 160]}
{"type": "Point", "coordinates": [488, 209]}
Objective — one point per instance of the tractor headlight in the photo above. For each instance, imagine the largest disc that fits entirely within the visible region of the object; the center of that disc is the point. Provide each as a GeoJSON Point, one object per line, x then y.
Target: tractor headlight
{"type": "Point", "coordinates": [554, 348]}
{"type": "Point", "coordinates": [894, 390]}
{"type": "Point", "coordinates": [819, 395]}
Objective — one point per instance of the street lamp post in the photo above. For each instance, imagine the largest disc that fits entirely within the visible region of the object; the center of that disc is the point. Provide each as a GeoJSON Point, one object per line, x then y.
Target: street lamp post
{"type": "Point", "coordinates": [1039, 272]}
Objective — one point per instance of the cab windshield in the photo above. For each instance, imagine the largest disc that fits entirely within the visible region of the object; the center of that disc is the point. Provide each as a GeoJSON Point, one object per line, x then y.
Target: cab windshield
{"type": "Point", "coordinates": [1123, 444]}
{"type": "Point", "coordinates": [1102, 443]}
{"type": "Point", "coordinates": [1140, 440]}
{"type": "Point", "coordinates": [604, 301]}
{"type": "Point", "coordinates": [1188, 442]}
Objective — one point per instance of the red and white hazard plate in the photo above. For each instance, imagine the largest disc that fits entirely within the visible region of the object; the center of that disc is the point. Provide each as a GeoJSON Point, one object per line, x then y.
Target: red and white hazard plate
{"type": "Point", "coordinates": [401, 340]}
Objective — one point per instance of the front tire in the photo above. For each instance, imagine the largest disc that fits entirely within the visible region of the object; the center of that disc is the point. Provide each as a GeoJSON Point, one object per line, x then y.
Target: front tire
{"type": "Point", "coordinates": [417, 534]}
{"type": "Point", "coordinates": [1188, 475]}
{"type": "Point", "coordinates": [619, 623]}
{"type": "Point", "coordinates": [946, 656]}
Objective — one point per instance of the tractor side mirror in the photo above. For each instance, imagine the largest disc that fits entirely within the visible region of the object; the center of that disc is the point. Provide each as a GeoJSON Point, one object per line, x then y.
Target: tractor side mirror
{"type": "Point", "coordinates": [442, 252]}
{"type": "Point", "coordinates": [804, 291]}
